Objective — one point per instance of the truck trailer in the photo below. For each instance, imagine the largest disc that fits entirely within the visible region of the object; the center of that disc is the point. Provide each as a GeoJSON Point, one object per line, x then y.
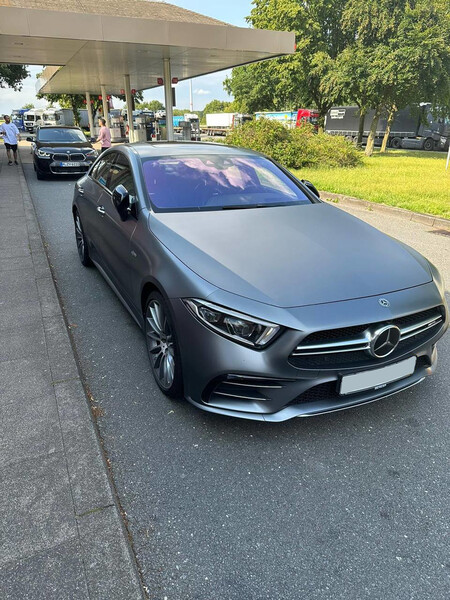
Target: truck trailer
{"type": "Point", "coordinates": [292, 118]}
{"type": "Point", "coordinates": [413, 127]}
{"type": "Point", "coordinates": [222, 123]}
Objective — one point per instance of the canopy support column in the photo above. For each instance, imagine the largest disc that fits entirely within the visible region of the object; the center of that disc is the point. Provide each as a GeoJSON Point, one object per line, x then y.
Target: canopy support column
{"type": "Point", "coordinates": [90, 115]}
{"type": "Point", "coordinates": [105, 106]}
{"type": "Point", "coordinates": [168, 99]}
{"type": "Point", "coordinates": [129, 103]}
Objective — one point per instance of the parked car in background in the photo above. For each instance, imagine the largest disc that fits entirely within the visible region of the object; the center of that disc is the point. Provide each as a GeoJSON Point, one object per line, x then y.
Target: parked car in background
{"type": "Point", "coordinates": [257, 299]}
{"type": "Point", "coordinates": [61, 151]}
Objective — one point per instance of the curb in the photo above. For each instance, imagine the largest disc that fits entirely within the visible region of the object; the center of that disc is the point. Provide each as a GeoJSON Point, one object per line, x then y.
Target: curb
{"type": "Point", "coordinates": [430, 220]}
{"type": "Point", "coordinates": [110, 565]}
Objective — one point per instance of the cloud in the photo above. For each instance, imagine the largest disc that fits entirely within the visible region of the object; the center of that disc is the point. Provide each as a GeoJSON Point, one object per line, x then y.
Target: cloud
{"type": "Point", "coordinates": [201, 92]}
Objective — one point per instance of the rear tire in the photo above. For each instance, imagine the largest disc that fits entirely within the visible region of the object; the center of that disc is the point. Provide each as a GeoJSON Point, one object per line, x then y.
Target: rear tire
{"type": "Point", "coordinates": [82, 247]}
{"type": "Point", "coordinates": [162, 346]}
{"type": "Point", "coordinates": [396, 143]}
{"type": "Point", "coordinates": [428, 144]}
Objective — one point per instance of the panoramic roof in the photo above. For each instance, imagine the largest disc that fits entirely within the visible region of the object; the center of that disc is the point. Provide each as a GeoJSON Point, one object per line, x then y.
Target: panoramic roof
{"type": "Point", "coordinates": [97, 43]}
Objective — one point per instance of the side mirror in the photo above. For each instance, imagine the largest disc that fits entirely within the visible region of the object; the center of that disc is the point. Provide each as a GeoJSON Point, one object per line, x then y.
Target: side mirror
{"type": "Point", "coordinates": [312, 188]}
{"type": "Point", "coordinates": [123, 201]}
{"type": "Point", "coordinates": [92, 139]}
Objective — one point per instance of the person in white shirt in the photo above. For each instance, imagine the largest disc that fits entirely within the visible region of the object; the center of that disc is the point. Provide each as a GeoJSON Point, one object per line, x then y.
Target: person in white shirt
{"type": "Point", "coordinates": [10, 135]}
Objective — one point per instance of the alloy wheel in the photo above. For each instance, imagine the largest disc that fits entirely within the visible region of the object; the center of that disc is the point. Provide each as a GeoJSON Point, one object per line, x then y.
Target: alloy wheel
{"type": "Point", "coordinates": [160, 344]}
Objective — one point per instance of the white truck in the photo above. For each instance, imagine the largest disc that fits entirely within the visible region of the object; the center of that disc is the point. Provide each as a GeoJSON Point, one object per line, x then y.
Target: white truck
{"type": "Point", "coordinates": [222, 123]}
{"type": "Point", "coordinates": [32, 119]}
{"type": "Point", "coordinates": [57, 116]}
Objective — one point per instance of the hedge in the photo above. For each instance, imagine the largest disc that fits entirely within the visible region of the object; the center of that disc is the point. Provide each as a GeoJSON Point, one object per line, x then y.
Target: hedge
{"type": "Point", "coordinates": [295, 148]}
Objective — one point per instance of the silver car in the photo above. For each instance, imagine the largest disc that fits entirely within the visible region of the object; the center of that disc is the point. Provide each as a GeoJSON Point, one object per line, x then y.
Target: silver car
{"type": "Point", "coordinates": [257, 299]}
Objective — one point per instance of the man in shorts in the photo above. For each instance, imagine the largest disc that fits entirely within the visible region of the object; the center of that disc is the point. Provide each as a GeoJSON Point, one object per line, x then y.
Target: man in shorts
{"type": "Point", "coordinates": [10, 135]}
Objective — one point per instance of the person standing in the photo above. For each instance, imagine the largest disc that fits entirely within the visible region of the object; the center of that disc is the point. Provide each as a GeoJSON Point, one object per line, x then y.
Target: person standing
{"type": "Point", "coordinates": [10, 135]}
{"type": "Point", "coordinates": [104, 136]}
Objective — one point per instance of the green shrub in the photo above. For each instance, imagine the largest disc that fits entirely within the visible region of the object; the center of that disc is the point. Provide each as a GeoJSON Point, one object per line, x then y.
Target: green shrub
{"type": "Point", "coordinates": [295, 148]}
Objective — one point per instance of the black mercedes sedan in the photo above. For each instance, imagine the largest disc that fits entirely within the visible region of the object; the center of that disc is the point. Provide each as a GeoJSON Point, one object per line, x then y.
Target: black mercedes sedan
{"type": "Point", "coordinates": [256, 299]}
{"type": "Point", "coordinates": [61, 151]}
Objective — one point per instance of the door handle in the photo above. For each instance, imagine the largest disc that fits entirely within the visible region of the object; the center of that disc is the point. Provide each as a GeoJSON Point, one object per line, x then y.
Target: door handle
{"type": "Point", "coordinates": [101, 210]}
{"type": "Point", "coordinates": [80, 191]}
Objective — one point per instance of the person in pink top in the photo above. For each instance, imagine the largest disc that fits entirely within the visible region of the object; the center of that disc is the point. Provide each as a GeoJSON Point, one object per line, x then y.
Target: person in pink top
{"type": "Point", "coordinates": [104, 137]}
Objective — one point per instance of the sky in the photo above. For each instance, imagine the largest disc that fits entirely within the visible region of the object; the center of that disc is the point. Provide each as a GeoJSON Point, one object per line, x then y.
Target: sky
{"type": "Point", "coordinates": [205, 88]}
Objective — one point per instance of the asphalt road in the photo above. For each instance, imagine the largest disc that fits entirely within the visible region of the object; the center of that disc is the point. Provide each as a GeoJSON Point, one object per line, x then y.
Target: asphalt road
{"type": "Point", "coordinates": [352, 505]}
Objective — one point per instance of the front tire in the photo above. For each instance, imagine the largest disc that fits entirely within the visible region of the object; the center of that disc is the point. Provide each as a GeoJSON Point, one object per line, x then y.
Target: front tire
{"type": "Point", "coordinates": [162, 346]}
{"type": "Point", "coordinates": [428, 144]}
{"type": "Point", "coordinates": [82, 247]}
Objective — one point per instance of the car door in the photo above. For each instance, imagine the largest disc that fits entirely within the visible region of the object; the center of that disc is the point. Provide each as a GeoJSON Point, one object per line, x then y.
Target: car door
{"type": "Point", "coordinates": [114, 234]}
{"type": "Point", "coordinates": [90, 192]}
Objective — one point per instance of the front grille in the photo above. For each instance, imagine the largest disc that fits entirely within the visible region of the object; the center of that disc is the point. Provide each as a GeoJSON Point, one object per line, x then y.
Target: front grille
{"type": "Point", "coordinates": [328, 391]}
{"type": "Point", "coordinates": [67, 157]}
{"type": "Point", "coordinates": [347, 347]}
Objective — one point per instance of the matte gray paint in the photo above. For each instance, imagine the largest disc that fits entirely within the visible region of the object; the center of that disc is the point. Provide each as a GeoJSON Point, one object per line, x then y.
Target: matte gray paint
{"type": "Point", "coordinates": [324, 269]}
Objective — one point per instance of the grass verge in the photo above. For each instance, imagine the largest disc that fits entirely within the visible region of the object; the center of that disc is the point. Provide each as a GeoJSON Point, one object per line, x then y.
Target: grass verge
{"type": "Point", "coordinates": [408, 179]}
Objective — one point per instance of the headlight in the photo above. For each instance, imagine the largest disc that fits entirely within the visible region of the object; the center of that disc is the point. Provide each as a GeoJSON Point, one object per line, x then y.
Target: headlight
{"type": "Point", "coordinates": [43, 154]}
{"type": "Point", "coordinates": [236, 326]}
{"type": "Point", "coordinates": [92, 153]}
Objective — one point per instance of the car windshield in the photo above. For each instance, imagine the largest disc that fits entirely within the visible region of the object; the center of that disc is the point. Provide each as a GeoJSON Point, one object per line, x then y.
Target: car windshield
{"type": "Point", "coordinates": [218, 182]}
{"type": "Point", "coordinates": [64, 136]}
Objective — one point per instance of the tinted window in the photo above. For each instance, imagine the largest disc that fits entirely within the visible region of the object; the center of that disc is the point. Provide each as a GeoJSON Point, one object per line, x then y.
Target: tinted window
{"type": "Point", "coordinates": [214, 182]}
{"type": "Point", "coordinates": [64, 136]}
{"type": "Point", "coordinates": [120, 174]}
{"type": "Point", "coordinates": [102, 168]}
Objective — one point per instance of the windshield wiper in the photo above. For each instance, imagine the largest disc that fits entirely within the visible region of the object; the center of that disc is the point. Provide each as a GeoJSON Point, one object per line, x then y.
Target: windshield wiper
{"type": "Point", "coordinates": [241, 206]}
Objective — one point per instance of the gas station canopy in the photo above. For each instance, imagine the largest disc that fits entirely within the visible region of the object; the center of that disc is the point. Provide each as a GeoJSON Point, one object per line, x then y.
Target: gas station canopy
{"type": "Point", "coordinates": [97, 43]}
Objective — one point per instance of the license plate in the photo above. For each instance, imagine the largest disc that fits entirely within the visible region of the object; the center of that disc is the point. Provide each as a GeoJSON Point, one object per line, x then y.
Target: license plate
{"type": "Point", "coordinates": [377, 378]}
{"type": "Point", "coordinates": [70, 164]}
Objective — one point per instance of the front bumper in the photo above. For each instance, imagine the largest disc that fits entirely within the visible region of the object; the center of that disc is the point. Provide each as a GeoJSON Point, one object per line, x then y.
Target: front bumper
{"type": "Point", "coordinates": [52, 167]}
{"type": "Point", "coordinates": [223, 377]}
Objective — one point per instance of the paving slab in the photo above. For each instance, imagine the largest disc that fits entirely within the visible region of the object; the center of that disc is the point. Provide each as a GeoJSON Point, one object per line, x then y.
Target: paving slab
{"type": "Point", "coordinates": [55, 574]}
{"type": "Point", "coordinates": [29, 429]}
{"type": "Point", "coordinates": [36, 507]}
{"type": "Point", "coordinates": [106, 578]}
{"type": "Point", "coordinates": [89, 481]}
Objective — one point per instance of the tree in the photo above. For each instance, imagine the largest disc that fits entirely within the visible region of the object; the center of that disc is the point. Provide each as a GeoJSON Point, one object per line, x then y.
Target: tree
{"type": "Point", "coordinates": [217, 106]}
{"type": "Point", "coordinates": [28, 105]}
{"type": "Point", "coordinates": [12, 76]}
{"type": "Point", "coordinates": [407, 49]}
{"type": "Point", "coordinates": [153, 105]}
{"type": "Point", "coordinates": [295, 80]}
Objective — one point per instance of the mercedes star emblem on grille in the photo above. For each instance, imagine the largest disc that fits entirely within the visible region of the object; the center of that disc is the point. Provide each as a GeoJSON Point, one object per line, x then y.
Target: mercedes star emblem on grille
{"type": "Point", "coordinates": [384, 341]}
{"type": "Point", "coordinates": [384, 302]}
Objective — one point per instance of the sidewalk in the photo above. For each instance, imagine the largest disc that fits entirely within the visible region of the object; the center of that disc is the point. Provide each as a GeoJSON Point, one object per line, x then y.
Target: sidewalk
{"type": "Point", "coordinates": [61, 534]}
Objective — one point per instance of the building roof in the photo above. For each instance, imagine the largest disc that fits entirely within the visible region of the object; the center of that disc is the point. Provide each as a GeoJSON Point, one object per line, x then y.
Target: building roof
{"type": "Point", "coordinates": [86, 43]}
{"type": "Point", "coordinates": [137, 9]}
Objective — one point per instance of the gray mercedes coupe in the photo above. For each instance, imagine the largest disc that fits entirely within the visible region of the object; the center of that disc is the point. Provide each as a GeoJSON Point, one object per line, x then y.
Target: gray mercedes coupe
{"type": "Point", "coordinates": [257, 299]}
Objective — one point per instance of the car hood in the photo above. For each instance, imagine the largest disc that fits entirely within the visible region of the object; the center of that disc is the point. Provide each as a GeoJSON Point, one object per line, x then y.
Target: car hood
{"type": "Point", "coordinates": [290, 256]}
{"type": "Point", "coordinates": [64, 147]}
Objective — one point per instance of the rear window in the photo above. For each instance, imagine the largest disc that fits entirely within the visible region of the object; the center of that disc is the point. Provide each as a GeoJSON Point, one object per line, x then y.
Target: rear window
{"type": "Point", "coordinates": [218, 182]}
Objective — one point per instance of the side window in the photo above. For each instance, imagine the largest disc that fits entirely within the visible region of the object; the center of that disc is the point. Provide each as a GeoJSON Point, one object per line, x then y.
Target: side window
{"type": "Point", "coordinates": [121, 175]}
{"type": "Point", "coordinates": [101, 171]}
